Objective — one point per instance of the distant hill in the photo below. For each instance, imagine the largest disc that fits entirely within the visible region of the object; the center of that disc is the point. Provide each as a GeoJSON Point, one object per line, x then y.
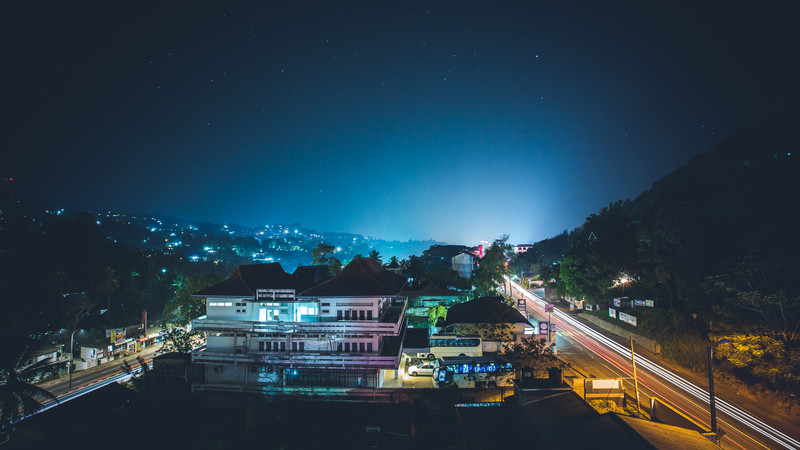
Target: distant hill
{"type": "Point", "coordinates": [733, 207]}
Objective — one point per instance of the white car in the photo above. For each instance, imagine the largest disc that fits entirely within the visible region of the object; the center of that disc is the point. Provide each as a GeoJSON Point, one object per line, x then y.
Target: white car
{"type": "Point", "coordinates": [421, 369]}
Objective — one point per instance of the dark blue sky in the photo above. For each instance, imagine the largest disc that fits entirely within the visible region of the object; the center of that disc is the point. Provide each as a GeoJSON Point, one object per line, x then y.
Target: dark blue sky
{"type": "Point", "coordinates": [458, 121]}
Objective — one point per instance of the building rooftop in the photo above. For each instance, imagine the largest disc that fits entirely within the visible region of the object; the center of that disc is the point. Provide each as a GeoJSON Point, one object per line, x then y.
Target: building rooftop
{"type": "Point", "coordinates": [245, 280]}
{"type": "Point", "coordinates": [431, 289]}
{"type": "Point", "coordinates": [551, 419]}
{"type": "Point", "coordinates": [363, 277]}
{"type": "Point", "coordinates": [484, 310]}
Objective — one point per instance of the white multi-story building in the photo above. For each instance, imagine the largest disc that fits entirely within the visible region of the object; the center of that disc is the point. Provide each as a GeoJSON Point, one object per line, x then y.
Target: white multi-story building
{"type": "Point", "coordinates": [266, 327]}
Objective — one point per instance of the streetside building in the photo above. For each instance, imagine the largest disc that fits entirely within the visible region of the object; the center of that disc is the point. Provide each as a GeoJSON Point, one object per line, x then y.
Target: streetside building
{"type": "Point", "coordinates": [494, 320]}
{"type": "Point", "coordinates": [269, 329]}
{"type": "Point", "coordinates": [463, 264]}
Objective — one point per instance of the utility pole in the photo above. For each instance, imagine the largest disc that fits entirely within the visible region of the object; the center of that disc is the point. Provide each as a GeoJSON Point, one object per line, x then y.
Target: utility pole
{"type": "Point", "coordinates": [635, 381]}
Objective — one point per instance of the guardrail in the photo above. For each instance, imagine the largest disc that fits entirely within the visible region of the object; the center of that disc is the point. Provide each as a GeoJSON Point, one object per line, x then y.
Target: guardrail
{"type": "Point", "coordinates": [340, 327]}
{"type": "Point", "coordinates": [299, 360]}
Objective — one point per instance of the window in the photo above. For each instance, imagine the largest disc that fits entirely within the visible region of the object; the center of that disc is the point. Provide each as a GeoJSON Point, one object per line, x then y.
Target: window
{"type": "Point", "coordinates": [326, 311]}
{"type": "Point", "coordinates": [302, 346]}
{"type": "Point", "coordinates": [283, 346]}
{"type": "Point", "coordinates": [338, 346]}
{"type": "Point", "coordinates": [369, 314]}
{"type": "Point", "coordinates": [275, 346]}
{"type": "Point", "coordinates": [325, 304]}
{"type": "Point", "coordinates": [361, 314]}
{"type": "Point", "coordinates": [369, 347]}
{"type": "Point", "coordinates": [263, 346]}
{"type": "Point", "coordinates": [347, 314]}
{"type": "Point", "coordinates": [294, 346]}
{"type": "Point", "coordinates": [361, 347]}
{"type": "Point", "coordinates": [220, 303]}
{"type": "Point", "coordinates": [355, 314]}
{"type": "Point", "coordinates": [347, 347]}
{"type": "Point", "coordinates": [339, 315]}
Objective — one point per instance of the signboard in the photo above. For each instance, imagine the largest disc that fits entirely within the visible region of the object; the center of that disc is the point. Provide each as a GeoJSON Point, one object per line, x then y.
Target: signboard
{"type": "Point", "coordinates": [118, 332]}
{"type": "Point", "coordinates": [649, 303]}
{"type": "Point", "coordinates": [275, 294]}
{"type": "Point", "coordinates": [627, 318]}
{"type": "Point", "coordinates": [618, 301]}
{"type": "Point", "coordinates": [521, 306]}
{"type": "Point", "coordinates": [638, 302]}
{"type": "Point", "coordinates": [589, 307]}
{"type": "Point", "coordinates": [549, 307]}
{"type": "Point", "coordinates": [543, 327]}
{"type": "Point", "coordinates": [612, 312]}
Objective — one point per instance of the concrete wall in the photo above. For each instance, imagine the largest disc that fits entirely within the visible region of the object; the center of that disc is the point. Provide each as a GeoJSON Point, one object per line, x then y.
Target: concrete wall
{"type": "Point", "coordinates": [664, 413]}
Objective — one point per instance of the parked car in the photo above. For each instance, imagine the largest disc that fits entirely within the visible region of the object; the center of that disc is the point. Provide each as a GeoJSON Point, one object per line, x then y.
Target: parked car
{"type": "Point", "coordinates": [421, 369]}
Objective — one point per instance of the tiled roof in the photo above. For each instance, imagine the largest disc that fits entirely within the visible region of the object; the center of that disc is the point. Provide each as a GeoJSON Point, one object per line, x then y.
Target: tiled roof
{"type": "Point", "coordinates": [484, 310]}
{"type": "Point", "coordinates": [307, 276]}
{"type": "Point", "coordinates": [361, 278]}
{"type": "Point", "coordinates": [246, 279]}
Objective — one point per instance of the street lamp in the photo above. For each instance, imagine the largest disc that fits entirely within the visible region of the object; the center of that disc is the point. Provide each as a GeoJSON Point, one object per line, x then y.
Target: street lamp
{"type": "Point", "coordinates": [711, 399]}
{"type": "Point", "coordinates": [71, 356]}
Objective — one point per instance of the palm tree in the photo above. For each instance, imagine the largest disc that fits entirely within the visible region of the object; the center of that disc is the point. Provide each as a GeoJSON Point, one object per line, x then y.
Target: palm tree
{"type": "Point", "coordinates": [18, 397]}
{"type": "Point", "coordinates": [377, 255]}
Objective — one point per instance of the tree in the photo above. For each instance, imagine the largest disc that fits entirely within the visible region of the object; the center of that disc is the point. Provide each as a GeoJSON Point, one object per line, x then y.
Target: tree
{"type": "Point", "coordinates": [18, 397]}
{"type": "Point", "coordinates": [393, 263]}
{"type": "Point", "coordinates": [335, 266]}
{"type": "Point", "coordinates": [493, 266]}
{"type": "Point", "coordinates": [183, 307]}
{"type": "Point", "coordinates": [533, 353]}
{"type": "Point", "coordinates": [180, 341]}
{"type": "Point", "coordinates": [416, 271]}
{"type": "Point", "coordinates": [446, 277]}
{"type": "Point", "coordinates": [321, 252]}
{"type": "Point", "coordinates": [377, 255]}
{"type": "Point", "coordinates": [435, 312]}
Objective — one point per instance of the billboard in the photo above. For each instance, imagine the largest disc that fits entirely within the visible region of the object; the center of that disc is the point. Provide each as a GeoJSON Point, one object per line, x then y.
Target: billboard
{"type": "Point", "coordinates": [612, 312]}
{"type": "Point", "coordinates": [627, 318]}
{"type": "Point", "coordinates": [549, 307]}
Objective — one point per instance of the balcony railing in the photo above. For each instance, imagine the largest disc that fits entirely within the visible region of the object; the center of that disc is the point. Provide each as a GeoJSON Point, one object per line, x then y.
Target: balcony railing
{"type": "Point", "coordinates": [299, 360]}
{"type": "Point", "coordinates": [334, 328]}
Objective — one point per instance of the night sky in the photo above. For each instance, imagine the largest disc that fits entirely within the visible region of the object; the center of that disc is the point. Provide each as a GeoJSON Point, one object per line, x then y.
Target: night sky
{"type": "Point", "coordinates": [458, 121]}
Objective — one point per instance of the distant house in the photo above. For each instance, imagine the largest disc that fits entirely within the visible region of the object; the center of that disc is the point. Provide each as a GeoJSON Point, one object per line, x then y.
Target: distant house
{"type": "Point", "coordinates": [522, 248]}
{"type": "Point", "coordinates": [463, 264]}
{"type": "Point", "coordinates": [269, 329]}
{"type": "Point", "coordinates": [491, 318]}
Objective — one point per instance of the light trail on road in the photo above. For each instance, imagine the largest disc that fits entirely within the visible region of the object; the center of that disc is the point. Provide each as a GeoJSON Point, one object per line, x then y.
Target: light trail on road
{"type": "Point", "coordinates": [687, 387]}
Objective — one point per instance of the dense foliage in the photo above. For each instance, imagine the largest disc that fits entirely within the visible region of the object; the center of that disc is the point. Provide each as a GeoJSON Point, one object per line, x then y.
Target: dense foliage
{"type": "Point", "coordinates": [714, 244]}
{"type": "Point", "coordinates": [65, 274]}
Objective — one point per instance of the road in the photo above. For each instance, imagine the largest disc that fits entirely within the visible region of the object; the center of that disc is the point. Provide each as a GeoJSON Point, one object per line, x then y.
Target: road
{"type": "Point", "coordinates": [600, 354]}
{"type": "Point", "coordinates": [85, 381]}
